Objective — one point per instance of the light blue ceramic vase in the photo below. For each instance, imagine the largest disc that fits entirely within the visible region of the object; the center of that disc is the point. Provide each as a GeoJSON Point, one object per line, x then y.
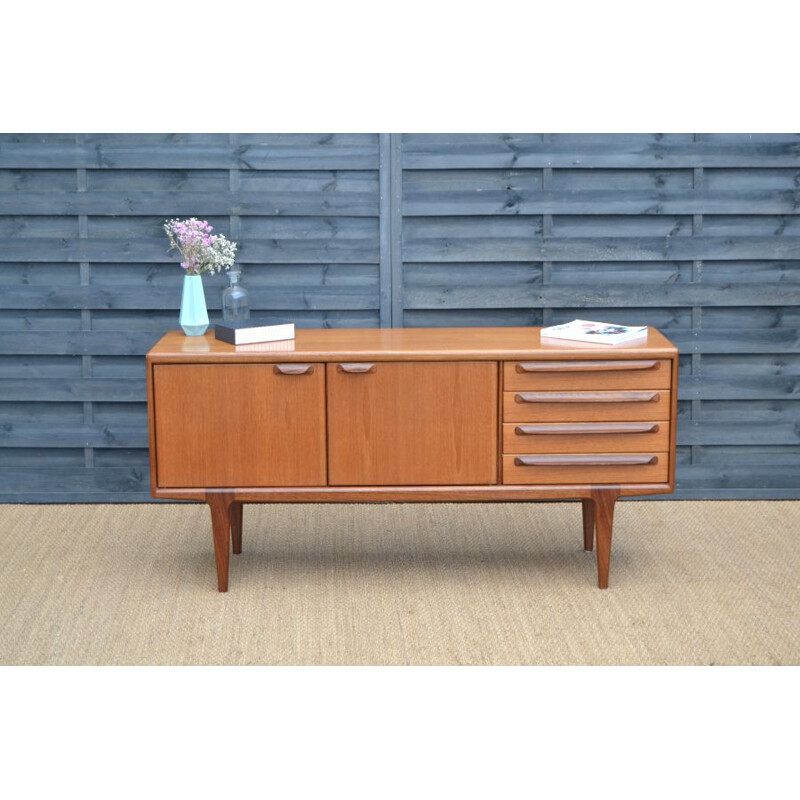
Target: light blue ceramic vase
{"type": "Point", "coordinates": [194, 316]}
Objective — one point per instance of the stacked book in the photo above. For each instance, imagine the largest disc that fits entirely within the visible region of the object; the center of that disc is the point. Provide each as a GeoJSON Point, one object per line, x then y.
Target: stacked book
{"type": "Point", "coordinates": [252, 331]}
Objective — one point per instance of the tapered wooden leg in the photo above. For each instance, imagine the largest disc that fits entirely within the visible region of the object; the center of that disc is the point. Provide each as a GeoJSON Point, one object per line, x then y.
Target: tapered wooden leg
{"type": "Point", "coordinates": [220, 504]}
{"type": "Point", "coordinates": [588, 524]}
{"type": "Point", "coordinates": [603, 500]}
{"type": "Point", "coordinates": [236, 526]}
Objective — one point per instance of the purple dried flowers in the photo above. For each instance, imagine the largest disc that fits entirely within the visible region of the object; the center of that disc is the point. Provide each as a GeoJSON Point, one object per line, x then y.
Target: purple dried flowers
{"type": "Point", "coordinates": [201, 250]}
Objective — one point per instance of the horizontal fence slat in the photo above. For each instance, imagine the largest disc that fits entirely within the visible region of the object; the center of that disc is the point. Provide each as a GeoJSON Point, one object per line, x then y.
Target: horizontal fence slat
{"type": "Point", "coordinates": [138, 342]}
{"type": "Point", "coordinates": [166, 297]}
{"type": "Point", "coordinates": [103, 496]}
{"type": "Point", "coordinates": [35, 434]}
{"type": "Point", "coordinates": [505, 153]}
{"type": "Point", "coordinates": [537, 248]}
{"type": "Point", "coordinates": [197, 204]}
{"type": "Point", "coordinates": [759, 476]}
{"type": "Point", "coordinates": [736, 340]}
{"type": "Point", "coordinates": [737, 433]}
{"type": "Point", "coordinates": [739, 387]}
{"type": "Point", "coordinates": [739, 493]}
{"type": "Point", "coordinates": [83, 343]}
{"type": "Point", "coordinates": [254, 251]}
{"type": "Point", "coordinates": [539, 296]}
{"type": "Point", "coordinates": [598, 202]}
{"type": "Point", "coordinates": [75, 480]}
{"type": "Point", "coordinates": [477, 203]}
{"type": "Point", "coordinates": [186, 156]}
{"type": "Point", "coordinates": [77, 389]}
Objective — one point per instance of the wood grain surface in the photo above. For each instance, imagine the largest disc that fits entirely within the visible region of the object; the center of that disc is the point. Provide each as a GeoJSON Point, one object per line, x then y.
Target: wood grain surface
{"type": "Point", "coordinates": [609, 375]}
{"type": "Point", "coordinates": [613, 474]}
{"type": "Point", "coordinates": [603, 502]}
{"type": "Point", "coordinates": [239, 425]}
{"type": "Point", "coordinates": [585, 437]}
{"type": "Point", "coordinates": [413, 424]}
{"type": "Point", "coordinates": [414, 494]}
{"type": "Point", "coordinates": [391, 344]}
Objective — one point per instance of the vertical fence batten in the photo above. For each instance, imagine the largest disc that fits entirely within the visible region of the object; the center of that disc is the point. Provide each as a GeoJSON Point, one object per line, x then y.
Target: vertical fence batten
{"type": "Point", "coordinates": [384, 180]}
{"type": "Point", "coordinates": [396, 227]}
{"type": "Point", "coordinates": [547, 230]}
{"type": "Point", "coordinates": [697, 311]}
{"type": "Point", "coordinates": [697, 234]}
{"type": "Point", "coordinates": [86, 314]}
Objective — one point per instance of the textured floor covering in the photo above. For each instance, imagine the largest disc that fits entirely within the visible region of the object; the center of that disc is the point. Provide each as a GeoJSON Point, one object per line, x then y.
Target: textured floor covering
{"type": "Point", "coordinates": [691, 583]}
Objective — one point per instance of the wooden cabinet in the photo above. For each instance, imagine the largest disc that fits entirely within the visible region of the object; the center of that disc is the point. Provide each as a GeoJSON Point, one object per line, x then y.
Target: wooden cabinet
{"type": "Point", "coordinates": [411, 415]}
{"type": "Point", "coordinates": [412, 423]}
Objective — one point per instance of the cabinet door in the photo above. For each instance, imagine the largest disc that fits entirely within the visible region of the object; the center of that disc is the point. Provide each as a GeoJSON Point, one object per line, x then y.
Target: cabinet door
{"type": "Point", "coordinates": [413, 424]}
{"type": "Point", "coordinates": [242, 425]}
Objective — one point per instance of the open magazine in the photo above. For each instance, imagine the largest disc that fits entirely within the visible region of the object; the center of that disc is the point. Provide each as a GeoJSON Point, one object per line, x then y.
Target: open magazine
{"type": "Point", "coordinates": [582, 330]}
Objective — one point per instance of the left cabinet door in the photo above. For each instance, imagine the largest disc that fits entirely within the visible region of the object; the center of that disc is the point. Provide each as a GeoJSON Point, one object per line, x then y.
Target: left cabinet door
{"type": "Point", "coordinates": [239, 425]}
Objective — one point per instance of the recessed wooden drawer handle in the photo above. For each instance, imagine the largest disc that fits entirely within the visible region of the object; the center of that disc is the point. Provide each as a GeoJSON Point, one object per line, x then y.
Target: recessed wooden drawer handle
{"type": "Point", "coordinates": [586, 397]}
{"type": "Point", "coordinates": [583, 366]}
{"type": "Point", "coordinates": [356, 368]}
{"type": "Point", "coordinates": [586, 428]}
{"type": "Point", "coordinates": [584, 461]}
{"type": "Point", "coordinates": [294, 369]}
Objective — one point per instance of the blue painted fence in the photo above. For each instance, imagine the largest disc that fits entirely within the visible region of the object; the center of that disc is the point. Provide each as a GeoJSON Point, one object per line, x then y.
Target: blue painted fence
{"type": "Point", "coordinates": [698, 234]}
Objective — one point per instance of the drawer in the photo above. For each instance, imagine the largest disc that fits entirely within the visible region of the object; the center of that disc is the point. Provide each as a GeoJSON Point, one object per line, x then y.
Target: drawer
{"type": "Point", "coordinates": [622, 406]}
{"type": "Point", "coordinates": [587, 375]}
{"type": "Point", "coordinates": [585, 437]}
{"type": "Point", "coordinates": [586, 468]}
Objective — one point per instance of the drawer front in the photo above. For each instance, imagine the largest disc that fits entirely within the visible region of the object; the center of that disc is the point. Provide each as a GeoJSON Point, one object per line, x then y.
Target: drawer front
{"type": "Point", "coordinates": [587, 375]}
{"type": "Point", "coordinates": [588, 468]}
{"type": "Point", "coordinates": [586, 437]}
{"type": "Point", "coordinates": [600, 406]}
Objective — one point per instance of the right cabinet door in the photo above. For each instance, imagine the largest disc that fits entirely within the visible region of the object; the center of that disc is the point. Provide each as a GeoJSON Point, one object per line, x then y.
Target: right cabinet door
{"type": "Point", "coordinates": [412, 423]}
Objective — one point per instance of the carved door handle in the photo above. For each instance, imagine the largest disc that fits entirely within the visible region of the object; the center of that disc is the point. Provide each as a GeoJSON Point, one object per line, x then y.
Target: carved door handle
{"type": "Point", "coordinates": [586, 428]}
{"type": "Point", "coordinates": [294, 369]}
{"type": "Point", "coordinates": [586, 397]}
{"type": "Point", "coordinates": [356, 368]}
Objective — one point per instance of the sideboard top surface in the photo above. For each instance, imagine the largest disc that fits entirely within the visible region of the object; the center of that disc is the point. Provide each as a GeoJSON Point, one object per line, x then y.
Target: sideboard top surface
{"type": "Point", "coordinates": [387, 344]}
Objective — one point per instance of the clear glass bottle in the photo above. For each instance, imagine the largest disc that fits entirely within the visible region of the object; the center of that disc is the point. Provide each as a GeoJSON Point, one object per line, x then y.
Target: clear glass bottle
{"type": "Point", "coordinates": [235, 302]}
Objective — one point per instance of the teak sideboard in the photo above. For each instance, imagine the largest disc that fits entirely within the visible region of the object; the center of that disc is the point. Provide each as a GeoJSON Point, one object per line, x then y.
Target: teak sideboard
{"type": "Point", "coordinates": [411, 415]}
